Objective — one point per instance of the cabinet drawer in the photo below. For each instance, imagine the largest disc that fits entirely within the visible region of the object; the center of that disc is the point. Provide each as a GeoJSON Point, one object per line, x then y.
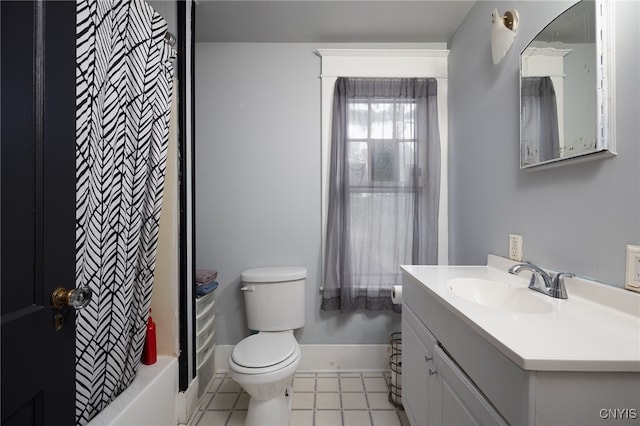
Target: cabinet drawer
{"type": "Point", "coordinates": [207, 331]}
{"type": "Point", "coordinates": [204, 302]}
{"type": "Point", "coordinates": [205, 315]}
{"type": "Point", "coordinates": [205, 372]}
{"type": "Point", "coordinates": [205, 350]}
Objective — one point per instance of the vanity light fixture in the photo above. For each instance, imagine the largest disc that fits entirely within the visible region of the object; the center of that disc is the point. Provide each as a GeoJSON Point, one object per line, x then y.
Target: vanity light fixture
{"type": "Point", "coordinates": [503, 32]}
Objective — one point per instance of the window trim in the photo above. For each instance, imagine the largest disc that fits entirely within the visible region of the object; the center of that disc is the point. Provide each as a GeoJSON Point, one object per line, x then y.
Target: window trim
{"type": "Point", "coordinates": [392, 63]}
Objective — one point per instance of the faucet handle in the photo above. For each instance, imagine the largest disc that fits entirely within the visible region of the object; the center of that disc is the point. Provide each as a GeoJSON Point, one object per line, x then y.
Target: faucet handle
{"type": "Point", "coordinates": [533, 281]}
{"type": "Point", "coordinates": [559, 277]}
{"type": "Point", "coordinates": [558, 284]}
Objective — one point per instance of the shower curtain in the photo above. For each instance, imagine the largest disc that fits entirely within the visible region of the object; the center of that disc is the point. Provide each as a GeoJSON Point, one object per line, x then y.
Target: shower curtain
{"type": "Point", "coordinates": [124, 72]}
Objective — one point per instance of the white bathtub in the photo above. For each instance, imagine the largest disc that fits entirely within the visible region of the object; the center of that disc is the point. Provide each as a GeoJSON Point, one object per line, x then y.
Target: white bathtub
{"type": "Point", "coordinates": [149, 401]}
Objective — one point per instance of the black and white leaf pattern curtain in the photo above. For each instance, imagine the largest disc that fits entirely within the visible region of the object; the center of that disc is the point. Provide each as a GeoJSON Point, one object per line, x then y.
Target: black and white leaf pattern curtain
{"type": "Point", "coordinates": [124, 74]}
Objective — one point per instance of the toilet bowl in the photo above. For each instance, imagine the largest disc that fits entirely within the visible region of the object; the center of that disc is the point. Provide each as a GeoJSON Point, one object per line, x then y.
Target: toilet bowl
{"type": "Point", "coordinates": [264, 365]}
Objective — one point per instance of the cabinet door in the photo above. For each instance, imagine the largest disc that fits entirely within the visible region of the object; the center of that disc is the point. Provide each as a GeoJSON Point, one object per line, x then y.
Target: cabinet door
{"type": "Point", "coordinates": [417, 360]}
{"type": "Point", "coordinates": [461, 403]}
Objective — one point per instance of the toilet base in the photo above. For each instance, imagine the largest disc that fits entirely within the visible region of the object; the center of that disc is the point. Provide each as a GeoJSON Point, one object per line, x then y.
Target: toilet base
{"type": "Point", "coordinates": [272, 412]}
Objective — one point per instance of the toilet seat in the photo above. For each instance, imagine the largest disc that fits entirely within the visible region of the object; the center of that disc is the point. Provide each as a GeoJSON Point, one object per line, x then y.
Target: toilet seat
{"type": "Point", "coordinates": [264, 352]}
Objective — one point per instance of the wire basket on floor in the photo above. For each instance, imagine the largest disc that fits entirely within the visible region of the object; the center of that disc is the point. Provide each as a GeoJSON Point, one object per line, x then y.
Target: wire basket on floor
{"type": "Point", "coordinates": [395, 362]}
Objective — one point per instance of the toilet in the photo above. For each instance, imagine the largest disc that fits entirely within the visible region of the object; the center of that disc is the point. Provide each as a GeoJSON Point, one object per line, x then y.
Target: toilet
{"type": "Point", "coordinates": [264, 363]}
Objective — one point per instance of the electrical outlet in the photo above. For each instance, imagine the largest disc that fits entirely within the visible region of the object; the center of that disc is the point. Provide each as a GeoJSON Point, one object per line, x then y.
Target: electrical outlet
{"type": "Point", "coordinates": [515, 247]}
{"type": "Point", "coordinates": [633, 268]}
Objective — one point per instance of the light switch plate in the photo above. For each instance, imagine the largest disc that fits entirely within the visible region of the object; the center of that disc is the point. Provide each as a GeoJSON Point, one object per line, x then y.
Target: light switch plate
{"type": "Point", "coordinates": [633, 268]}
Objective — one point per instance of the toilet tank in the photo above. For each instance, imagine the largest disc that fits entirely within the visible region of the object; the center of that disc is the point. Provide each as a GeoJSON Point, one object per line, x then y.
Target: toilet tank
{"type": "Point", "coordinates": [274, 297]}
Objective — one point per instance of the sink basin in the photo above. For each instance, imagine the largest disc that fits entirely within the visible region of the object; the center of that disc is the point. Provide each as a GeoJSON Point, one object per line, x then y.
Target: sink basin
{"type": "Point", "coordinates": [499, 295]}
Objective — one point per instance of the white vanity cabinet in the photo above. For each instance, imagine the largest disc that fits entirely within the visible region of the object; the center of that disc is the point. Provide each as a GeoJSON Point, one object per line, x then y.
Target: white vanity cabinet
{"type": "Point", "coordinates": [457, 372]}
{"type": "Point", "coordinates": [435, 390]}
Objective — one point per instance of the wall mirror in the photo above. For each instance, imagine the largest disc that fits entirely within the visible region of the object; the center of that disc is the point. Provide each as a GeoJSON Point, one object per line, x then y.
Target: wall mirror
{"type": "Point", "coordinates": [566, 89]}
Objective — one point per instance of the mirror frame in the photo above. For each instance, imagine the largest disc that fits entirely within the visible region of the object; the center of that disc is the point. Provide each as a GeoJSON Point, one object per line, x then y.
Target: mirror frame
{"type": "Point", "coordinates": [605, 92]}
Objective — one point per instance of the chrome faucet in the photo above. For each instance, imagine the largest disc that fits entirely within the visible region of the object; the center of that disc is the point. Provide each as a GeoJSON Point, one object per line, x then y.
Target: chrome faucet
{"type": "Point", "coordinates": [551, 285]}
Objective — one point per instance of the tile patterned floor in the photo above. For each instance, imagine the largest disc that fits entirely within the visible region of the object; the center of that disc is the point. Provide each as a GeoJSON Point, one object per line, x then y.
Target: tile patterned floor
{"type": "Point", "coordinates": [319, 399]}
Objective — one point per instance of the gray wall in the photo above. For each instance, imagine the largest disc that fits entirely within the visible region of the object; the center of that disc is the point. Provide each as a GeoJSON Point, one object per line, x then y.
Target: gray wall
{"type": "Point", "coordinates": [258, 169]}
{"type": "Point", "coordinates": [577, 217]}
{"type": "Point", "coordinates": [258, 181]}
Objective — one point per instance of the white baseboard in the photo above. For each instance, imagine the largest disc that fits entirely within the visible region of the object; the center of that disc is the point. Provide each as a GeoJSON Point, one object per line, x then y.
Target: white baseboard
{"type": "Point", "coordinates": [326, 358]}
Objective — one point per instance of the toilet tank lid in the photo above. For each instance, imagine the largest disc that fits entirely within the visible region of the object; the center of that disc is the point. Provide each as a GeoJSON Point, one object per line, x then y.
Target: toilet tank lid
{"type": "Point", "coordinates": [274, 274]}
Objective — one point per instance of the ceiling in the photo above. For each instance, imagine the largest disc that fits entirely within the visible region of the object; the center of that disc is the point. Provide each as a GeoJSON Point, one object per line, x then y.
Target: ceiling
{"type": "Point", "coordinates": [329, 21]}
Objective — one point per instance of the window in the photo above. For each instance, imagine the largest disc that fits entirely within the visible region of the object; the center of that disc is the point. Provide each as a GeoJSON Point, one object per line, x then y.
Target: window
{"type": "Point", "coordinates": [383, 188]}
{"type": "Point", "coordinates": [381, 140]}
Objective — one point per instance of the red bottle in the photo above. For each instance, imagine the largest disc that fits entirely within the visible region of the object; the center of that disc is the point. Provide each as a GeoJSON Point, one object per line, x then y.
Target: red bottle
{"type": "Point", "coordinates": [149, 352]}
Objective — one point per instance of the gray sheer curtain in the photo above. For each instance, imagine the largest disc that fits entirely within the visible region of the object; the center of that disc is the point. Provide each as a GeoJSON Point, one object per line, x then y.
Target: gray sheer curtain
{"type": "Point", "coordinates": [384, 188]}
{"type": "Point", "coordinates": [539, 115]}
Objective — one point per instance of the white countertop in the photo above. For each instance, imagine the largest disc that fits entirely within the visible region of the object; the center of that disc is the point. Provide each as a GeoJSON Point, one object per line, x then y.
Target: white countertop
{"type": "Point", "coordinates": [596, 329]}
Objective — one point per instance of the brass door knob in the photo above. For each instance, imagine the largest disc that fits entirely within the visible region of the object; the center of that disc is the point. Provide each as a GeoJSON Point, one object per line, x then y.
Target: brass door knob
{"type": "Point", "coordinates": [77, 298]}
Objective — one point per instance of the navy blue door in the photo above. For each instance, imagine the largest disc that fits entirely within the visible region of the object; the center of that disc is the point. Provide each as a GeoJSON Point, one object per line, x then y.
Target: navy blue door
{"type": "Point", "coordinates": [37, 210]}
